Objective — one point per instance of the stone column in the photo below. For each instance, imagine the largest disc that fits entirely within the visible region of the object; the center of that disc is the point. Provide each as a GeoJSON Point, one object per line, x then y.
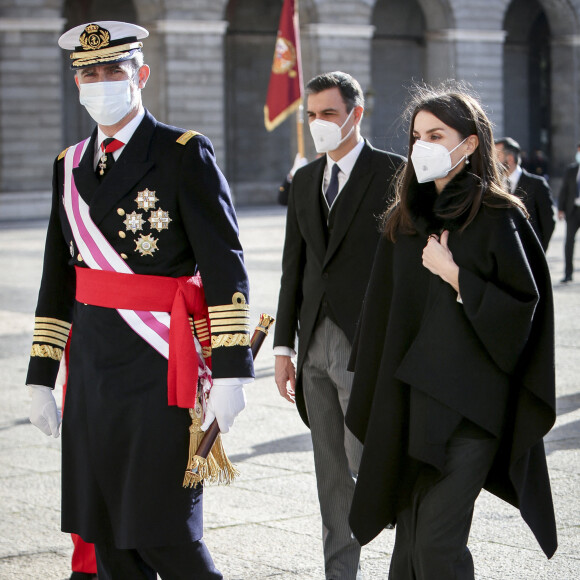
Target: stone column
{"type": "Point", "coordinates": [30, 105]}
{"type": "Point", "coordinates": [345, 47]}
{"type": "Point", "coordinates": [475, 56]}
{"type": "Point", "coordinates": [565, 113]}
{"type": "Point", "coordinates": [193, 85]}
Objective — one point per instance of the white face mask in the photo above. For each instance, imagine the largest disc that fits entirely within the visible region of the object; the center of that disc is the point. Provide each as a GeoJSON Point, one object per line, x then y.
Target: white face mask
{"type": "Point", "coordinates": [108, 102]}
{"type": "Point", "coordinates": [327, 135]}
{"type": "Point", "coordinates": [432, 161]}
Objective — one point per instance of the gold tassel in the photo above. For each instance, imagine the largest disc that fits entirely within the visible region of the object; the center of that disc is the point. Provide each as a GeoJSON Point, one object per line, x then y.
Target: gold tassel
{"type": "Point", "coordinates": [217, 468]}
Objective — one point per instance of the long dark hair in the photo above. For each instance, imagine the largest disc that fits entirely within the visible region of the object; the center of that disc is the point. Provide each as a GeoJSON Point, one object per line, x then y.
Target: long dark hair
{"type": "Point", "coordinates": [454, 104]}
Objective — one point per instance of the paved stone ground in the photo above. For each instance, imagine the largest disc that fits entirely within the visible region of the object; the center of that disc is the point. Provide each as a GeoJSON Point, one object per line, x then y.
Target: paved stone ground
{"type": "Point", "coordinates": [267, 524]}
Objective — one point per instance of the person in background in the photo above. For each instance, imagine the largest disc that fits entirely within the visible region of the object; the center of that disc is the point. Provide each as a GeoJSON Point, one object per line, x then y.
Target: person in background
{"type": "Point", "coordinates": [284, 189]}
{"type": "Point", "coordinates": [533, 190]}
{"type": "Point", "coordinates": [569, 209]}
{"type": "Point", "coordinates": [454, 385]}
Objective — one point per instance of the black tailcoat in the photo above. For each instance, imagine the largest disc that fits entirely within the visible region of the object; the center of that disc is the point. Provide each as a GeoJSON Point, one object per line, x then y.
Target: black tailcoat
{"type": "Point", "coordinates": [336, 271]}
{"type": "Point", "coordinates": [124, 449]}
{"type": "Point", "coordinates": [537, 197]}
{"type": "Point", "coordinates": [424, 362]}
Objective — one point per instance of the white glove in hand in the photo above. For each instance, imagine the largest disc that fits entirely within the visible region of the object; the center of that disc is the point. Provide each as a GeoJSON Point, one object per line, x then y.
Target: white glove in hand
{"type": "Point", "coordinates": [225, 403]}
{"type": "Point", "coordinates": [298, 163]}
{"type": "Point", "coordinates": [43, 411]}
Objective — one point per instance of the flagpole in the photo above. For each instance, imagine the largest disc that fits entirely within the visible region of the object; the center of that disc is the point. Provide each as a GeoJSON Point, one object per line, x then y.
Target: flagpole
{"type": "Point", "coordinates": [300, 111]}
{"type": "Point", "coordinates": [300, 130]}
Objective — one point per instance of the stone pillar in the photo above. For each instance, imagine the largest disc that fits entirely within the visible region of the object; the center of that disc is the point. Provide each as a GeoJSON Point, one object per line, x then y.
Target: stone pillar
{"type": "Point", "coordinates": [342, 47]}
{"type": "Point", "coordinates": [30, 105]}
{"type": "Point", "coordinates": [565, 103]}
{"type": "Point", "coordinates": [193, 83]}
{"type": "Point", "coordinates": [475, 56]}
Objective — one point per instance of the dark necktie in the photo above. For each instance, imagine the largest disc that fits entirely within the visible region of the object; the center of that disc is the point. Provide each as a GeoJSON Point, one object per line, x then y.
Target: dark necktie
{"type": "Point", "coordinates": [332, 189]}
{"type": "Point", "coordinates": [106, 160]}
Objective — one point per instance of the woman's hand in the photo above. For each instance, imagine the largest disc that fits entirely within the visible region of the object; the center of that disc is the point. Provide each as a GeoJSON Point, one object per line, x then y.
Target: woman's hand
{"type": "Point", "coordinates": [438, 259]}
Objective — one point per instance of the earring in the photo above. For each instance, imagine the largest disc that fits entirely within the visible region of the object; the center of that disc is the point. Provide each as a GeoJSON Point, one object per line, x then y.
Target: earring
{"type": "Point", "coordinates": [467, 161]}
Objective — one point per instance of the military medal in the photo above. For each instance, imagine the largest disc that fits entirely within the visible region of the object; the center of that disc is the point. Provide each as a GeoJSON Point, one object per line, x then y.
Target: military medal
{"type": "Point", "coordinates": [102, 164]}
{"type": "Point", "coordinates": [134, 221]}
{"type": "Point", "coordinates": [146, 199]}
{"type": "Point", "coordinates": [146, 245]}
{"type": "Point", "coordinates": [159, 220]}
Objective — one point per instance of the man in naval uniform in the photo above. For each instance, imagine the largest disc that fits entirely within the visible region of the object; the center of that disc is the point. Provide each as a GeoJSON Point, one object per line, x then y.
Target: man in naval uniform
{"type": "Point", "coordinates": [138, 209]}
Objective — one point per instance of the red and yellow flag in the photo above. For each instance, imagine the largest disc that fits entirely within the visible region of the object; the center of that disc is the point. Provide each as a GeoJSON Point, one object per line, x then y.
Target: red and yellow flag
{"type": "Point", "coordinates": [285, 88]}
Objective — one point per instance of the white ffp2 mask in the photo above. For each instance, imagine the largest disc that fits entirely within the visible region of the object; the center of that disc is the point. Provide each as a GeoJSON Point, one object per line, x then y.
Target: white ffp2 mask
{"type": "Point", "coordinates": [327, 135]}
{"type": "Point", "coordinates": [432, 160]}
{"type": "Point", "coordinates": [107, 102]}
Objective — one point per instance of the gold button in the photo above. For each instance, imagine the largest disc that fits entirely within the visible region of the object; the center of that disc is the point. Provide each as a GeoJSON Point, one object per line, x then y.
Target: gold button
{"type": "Point", "coordinates": [124, 256]}
{"type": "Point", "coordinates": [122, 234]}
{"type": "Point", "coordinates": [79, 258]}
{"type": "Point", "coordinates": [121, 211]}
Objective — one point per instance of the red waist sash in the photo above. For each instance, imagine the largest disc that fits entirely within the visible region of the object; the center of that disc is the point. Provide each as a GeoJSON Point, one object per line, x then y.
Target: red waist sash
{"type": "Point", "coordinates": [182, 297]}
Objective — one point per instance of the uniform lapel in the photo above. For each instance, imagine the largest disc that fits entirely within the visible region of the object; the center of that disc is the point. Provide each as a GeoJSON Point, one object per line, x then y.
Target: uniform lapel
{"type": "Point", "coordinates": [84, 175]}
{"type": "Point", "coordinates": [129, 169]}
{"type": "Point", "coordinates": [350, 198]}
{"type": "Point", "coordinates": [308, 208]}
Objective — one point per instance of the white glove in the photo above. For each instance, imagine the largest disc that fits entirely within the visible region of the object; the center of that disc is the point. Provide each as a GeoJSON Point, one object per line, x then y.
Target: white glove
{"type": "Point", "coordinates": [299, 162]}
{"type": "Point", "coordinates": [43, 411]}
{"type": "Point", "coordinates": [225, 403]}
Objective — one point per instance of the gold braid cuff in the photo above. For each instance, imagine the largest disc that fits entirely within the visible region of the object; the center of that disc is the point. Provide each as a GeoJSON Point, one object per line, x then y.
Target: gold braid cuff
{"type": "Point", "coordinates": [230, 323]}
{"type": "Point", "coordinates": [46, 351]}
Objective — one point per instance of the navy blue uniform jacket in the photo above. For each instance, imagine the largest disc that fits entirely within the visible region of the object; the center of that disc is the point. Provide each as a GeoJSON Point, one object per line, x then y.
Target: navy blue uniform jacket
{"type": "Point", "coordinates": [124, 451]}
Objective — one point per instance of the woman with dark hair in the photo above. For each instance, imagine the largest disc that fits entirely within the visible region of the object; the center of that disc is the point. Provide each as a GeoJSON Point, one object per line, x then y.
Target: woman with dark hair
{"type": "Point", "coordinates": [454, 383]}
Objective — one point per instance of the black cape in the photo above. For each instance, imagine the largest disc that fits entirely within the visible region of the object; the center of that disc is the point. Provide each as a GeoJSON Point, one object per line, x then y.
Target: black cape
{"type": "Point", "coordinates": [424, 362]}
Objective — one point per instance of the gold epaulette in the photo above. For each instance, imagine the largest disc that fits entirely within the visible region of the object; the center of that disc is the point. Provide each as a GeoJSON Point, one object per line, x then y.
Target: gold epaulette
{"type": "Point", "coordinates": [63, 153]}
{"type": "Point", "coordinates": [229, 323]}
{"type": "Point", "coordinates": [183, 139]}
{"type": "Point", "coordinates": [50, 337]}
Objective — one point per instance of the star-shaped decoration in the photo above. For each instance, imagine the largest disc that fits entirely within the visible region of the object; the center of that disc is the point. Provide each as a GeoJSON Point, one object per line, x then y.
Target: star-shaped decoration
{"type": "Point", "coordinates": [134, 221]}
{"type": "Point", "coordinates": [146, 199]}
{"type": "Point", "coordinates": [146, 245]}
{"type": "Point", "coordinates": [159, 220]}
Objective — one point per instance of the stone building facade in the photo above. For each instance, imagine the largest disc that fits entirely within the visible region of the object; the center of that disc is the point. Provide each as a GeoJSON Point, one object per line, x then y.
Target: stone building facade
{"type": "Point", "coordinates": [211, 64]}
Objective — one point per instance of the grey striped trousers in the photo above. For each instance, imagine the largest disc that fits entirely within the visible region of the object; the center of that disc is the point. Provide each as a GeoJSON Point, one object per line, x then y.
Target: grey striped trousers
{"type": "Point", "coordinates": [327, 386]}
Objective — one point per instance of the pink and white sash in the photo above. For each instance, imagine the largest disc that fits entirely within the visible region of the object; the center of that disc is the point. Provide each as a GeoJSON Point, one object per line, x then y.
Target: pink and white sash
{"type": "Point", "coordinates": [98, 254]}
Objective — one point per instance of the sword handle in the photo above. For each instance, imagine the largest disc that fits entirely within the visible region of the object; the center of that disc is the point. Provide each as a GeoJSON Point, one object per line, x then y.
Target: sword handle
{"type": "Point", "coordinates": [260, 333]}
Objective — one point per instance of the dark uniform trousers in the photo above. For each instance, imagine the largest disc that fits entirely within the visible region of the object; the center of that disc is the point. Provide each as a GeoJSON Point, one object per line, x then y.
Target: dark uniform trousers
{"type": "Point", "coordinates": [432, 533]}
{"type": "Point", "coordinates": [190, 561]}
{"type": "Point", "coordinates": [572, 225]}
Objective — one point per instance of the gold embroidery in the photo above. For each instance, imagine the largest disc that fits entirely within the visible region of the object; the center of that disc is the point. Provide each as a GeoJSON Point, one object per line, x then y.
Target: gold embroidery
{"type": "Point", "coordinates": [201, 329]}
{"type": "Point", "coordinates": [94, 37]}
{"type": "Point", "coordinates": [183, 139]}
{"type": "Point", "coordinates": [98, 55]}
{"type": "Point", "coordinates": [45, 351]}
{"type": "Point", "coordinates": [49, 340]}
{"type": "Point", "coordinates": [48, 320]}
{"type": "Point", "coordinates": [230, 340]}
{"type": "Point", "coordinates": [62, 154]}
{"type": "Point", "coordinates": [42, 330]}
{"type": "Point", "coordinates": [230, 327]}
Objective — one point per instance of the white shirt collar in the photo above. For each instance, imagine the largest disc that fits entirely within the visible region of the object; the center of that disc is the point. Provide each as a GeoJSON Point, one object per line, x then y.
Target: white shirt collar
{"type": "Point", "coordinates": [514, 177]}
{"type": "Point", "coordinates": [345, 163]}
{"type": "Point", "coordinates": [124, 135]}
